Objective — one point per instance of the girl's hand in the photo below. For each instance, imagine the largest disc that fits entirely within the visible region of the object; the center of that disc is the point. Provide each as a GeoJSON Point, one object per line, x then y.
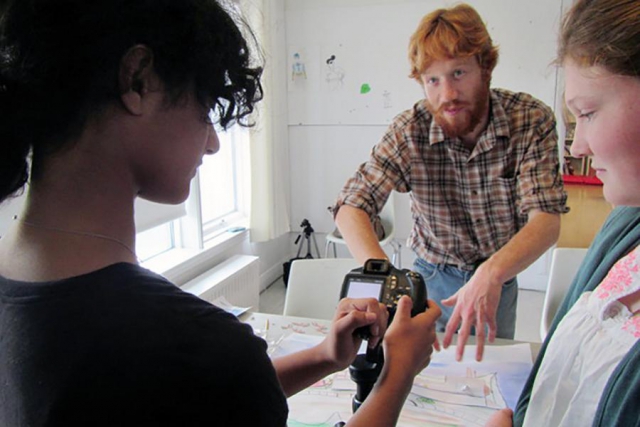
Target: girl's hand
{"type": "Point", "coordinates": [342, 343]}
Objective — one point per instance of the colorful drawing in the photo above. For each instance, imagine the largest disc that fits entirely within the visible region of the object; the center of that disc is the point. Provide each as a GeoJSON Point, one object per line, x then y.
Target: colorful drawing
{"type": "Point", "coordinates": [298, 69]}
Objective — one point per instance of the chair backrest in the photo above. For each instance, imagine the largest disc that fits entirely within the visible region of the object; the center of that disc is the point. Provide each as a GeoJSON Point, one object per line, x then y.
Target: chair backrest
{"type": "Point", "coordinates": [564, 266]}
{"type": "Point", "coordinates": [314, 286]}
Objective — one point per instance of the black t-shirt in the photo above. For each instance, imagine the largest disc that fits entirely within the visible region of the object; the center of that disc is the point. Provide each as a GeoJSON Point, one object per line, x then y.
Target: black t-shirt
{"type": "Point", "coordinates": [123, 346]}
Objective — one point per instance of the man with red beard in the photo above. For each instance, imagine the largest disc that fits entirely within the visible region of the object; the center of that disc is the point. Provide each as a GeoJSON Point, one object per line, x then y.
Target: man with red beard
{"type": "Point", "coordinates": [481, 166]}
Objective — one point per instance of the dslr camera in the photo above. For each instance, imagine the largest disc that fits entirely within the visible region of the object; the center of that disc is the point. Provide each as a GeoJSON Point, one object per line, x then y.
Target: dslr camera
{"type": "Point", "coordinates": [381, 280]}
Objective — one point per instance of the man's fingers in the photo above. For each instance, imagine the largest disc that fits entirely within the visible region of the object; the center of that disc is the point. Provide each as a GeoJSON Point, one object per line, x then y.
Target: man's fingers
{"type": "Point", "coordinates": [451, 301]}
{"type": "Point", "coordinates": [480, 333]}
{"type": "Point", "coordinates": [452, 327]}
{"type": "Point", "coordinates": [463, 336]}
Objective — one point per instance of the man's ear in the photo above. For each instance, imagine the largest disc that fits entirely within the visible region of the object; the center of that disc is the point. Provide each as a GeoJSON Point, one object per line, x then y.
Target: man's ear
{"type": "Point", "coordinates": [486, 76]}
{"type": "Point", "coordinates": [136, 77]}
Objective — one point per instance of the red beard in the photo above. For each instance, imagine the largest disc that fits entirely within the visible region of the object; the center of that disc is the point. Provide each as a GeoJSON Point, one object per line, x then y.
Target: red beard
{"type": "Point", "coordinates": [466, 121]}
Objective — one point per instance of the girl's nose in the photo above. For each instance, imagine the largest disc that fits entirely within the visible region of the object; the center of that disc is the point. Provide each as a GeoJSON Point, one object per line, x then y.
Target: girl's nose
{"type": "Point", "coordinates": [213, 143]}
{"type": "Point", "coordinates": [579, 146]}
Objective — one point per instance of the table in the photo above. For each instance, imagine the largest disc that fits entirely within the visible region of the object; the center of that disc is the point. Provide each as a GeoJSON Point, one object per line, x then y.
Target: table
{"type": "Point", "coordinates": [273, 328]}
{"type": "Point", "coordinates": [329, 401]}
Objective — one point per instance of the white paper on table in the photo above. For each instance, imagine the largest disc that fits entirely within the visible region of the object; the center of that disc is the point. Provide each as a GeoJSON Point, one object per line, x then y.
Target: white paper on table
{"type": "Point", "coordinates": [223, 303]}
{"type": "Point", "coordinates": [293, 343]}
{"type": "Point", "coordinates": [504, 370]}
{"type": "Point", "coordinates": [493, 383]}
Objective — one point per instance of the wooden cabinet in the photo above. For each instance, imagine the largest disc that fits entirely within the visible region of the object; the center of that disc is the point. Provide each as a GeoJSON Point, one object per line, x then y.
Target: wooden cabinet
{"type": "Point", "coordinates": [588, 210]}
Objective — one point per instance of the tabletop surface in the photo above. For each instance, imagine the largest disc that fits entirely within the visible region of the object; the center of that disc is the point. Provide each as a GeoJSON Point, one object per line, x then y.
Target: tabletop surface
{"type": "Point", "coordinates": [272, 327]}
{"type": "Point", "coordinates": [447, 393]}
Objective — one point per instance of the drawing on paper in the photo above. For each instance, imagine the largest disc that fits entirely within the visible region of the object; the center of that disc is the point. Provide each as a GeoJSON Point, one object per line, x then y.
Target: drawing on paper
{"type": "Point", "coordinates": [386, 100]}
{"type": "Point", "coordinates": [334, 75]}
{"type": "Point", "coordinates": [447, 393]}
{"type": "Point", "coordinates": [298, 69]}
{"type": "Point", "coordinates": [434, 400]}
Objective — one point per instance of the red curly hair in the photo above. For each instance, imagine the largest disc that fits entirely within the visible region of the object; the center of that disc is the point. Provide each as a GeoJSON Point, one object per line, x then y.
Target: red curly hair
{"type": "Point", "coordinates": [458, 32]}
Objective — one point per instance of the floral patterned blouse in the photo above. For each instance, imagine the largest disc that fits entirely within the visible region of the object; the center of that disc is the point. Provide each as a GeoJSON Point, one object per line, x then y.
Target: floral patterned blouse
{"type": "Point", "coordinates": [585, 349]}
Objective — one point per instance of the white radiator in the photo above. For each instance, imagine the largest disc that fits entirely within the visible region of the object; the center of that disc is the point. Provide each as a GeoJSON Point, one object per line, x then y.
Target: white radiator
{"type": "Point", "coordinates": [237, 279]}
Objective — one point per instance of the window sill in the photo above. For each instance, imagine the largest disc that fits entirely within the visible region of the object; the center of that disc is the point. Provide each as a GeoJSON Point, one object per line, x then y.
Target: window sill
{"type": "Point", "coordinates": [178, 265]}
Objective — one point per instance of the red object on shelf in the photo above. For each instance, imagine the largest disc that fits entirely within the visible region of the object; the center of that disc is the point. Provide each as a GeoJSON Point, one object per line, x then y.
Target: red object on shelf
{"type": "Point", "coordinates": [581, 179]}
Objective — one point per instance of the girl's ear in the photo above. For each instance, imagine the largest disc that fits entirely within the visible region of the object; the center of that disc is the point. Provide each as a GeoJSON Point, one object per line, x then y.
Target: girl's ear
{"type": "Point", "coordinates": [136, 78]}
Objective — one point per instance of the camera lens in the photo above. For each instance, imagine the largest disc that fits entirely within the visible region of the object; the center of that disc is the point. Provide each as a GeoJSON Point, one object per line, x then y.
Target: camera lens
{"type": "Point", "coordinates": [364, 374]}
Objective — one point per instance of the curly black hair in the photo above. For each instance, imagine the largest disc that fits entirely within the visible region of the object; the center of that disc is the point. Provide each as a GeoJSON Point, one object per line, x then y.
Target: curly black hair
{"type": "Point", "coordinates": [59, 63]}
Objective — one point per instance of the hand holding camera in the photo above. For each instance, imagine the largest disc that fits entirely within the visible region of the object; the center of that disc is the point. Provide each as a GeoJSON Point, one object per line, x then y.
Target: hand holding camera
{"type": "Point", "coordinates": [380, 280]}
{"type": "Point", "coordinates": [409, 341]}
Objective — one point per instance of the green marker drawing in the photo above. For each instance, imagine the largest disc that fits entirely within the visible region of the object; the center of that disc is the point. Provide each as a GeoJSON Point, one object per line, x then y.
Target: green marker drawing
{"type": "Point", "coordinates": [365, 88]}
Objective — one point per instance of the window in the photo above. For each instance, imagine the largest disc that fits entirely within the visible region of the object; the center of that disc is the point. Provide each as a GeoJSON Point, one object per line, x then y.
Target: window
{"type": "Point", "coordinates": [217, 201]}
{"type": "Point", "coordinates": [223, 180]}
{"type": "Point", "coordinates": [155, 241]}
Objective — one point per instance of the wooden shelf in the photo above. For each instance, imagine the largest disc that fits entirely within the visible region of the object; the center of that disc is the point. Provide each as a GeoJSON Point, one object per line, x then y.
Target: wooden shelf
{"type": "Point", "coordinates": [574, 165]}
{"type": "Point", "coordinates": [581, 166]}
{"type": "Point", "coordinates": [581, 179]}
{"type": "Point", "coordinates": [588, 211]}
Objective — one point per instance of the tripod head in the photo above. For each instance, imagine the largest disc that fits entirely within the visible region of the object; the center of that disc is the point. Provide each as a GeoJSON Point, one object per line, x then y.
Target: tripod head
{"type": "Point", "coordinates": [307, 228]}
{"type": "Point", "coordinates": [307, 231]}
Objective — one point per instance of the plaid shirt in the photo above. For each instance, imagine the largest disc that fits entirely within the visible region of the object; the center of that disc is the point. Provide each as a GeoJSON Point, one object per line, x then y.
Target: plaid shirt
{"type": "Point", "coordinates": [466, 203]}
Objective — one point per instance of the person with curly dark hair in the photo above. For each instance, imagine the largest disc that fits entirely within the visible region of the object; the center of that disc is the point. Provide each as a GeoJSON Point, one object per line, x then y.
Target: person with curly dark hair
{"type": "Point", "coordinates": [102, 102]}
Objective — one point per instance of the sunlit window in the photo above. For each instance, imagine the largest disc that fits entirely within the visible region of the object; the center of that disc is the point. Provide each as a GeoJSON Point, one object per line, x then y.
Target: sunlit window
{"type": "Point", "coordinates": [222, 182]}
{"type": "Point", "coordinates": [155, 241]}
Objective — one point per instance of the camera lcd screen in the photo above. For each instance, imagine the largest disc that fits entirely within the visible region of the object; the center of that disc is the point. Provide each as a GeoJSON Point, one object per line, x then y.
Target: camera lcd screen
{"type": "Point", "coordinates": [365, 288]}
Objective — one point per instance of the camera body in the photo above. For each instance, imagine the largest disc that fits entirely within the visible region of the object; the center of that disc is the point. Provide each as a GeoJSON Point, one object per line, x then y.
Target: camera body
{"type": "Point", "coordinates": [381, 280]}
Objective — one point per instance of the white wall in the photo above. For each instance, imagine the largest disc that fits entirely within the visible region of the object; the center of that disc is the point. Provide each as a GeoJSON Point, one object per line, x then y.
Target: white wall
{"type": "Point", "coordinates": [369, 42]}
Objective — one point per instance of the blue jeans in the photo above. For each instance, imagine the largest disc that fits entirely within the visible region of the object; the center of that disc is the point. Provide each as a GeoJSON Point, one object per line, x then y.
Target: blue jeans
{"type": "Point", "coordinates": [444, 280]}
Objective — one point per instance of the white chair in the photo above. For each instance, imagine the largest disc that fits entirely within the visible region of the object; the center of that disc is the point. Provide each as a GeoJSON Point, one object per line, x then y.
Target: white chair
{"type": "Point", "coordinates": [314, 286]}
{"type": "Point", "coordinates": [387, 218]}
{"type": "Point", "coordinates": [564, 266]}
